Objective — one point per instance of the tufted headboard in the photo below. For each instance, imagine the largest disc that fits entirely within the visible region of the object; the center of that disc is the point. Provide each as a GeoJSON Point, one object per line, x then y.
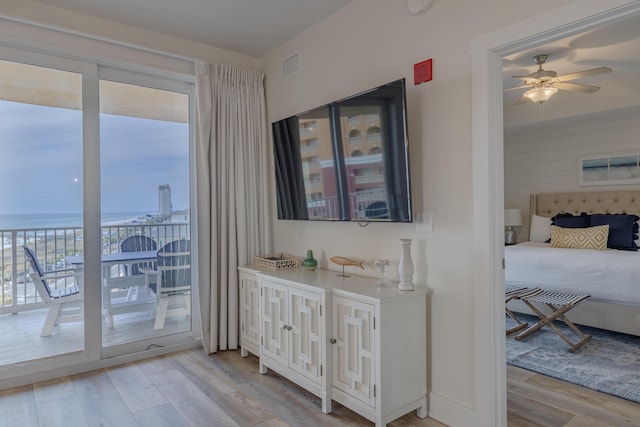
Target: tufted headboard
{"type": "Point", "coordinates": [616, 201]}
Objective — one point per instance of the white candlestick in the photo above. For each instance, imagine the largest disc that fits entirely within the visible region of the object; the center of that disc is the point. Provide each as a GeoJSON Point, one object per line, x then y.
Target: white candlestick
{"type": "Point", "coordinates": [405, 267]}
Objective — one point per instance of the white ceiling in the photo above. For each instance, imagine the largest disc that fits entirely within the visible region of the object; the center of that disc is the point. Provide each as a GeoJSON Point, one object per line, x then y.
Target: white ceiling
{"type": "Point", "coordinates": [616, 46]}
{"type": "Point", "coordinates": [251, 27]}
{"type": "Point", "coordinates": [254, 27]}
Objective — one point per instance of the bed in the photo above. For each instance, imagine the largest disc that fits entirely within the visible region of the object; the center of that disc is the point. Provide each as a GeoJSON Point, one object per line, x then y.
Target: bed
{"type": "Point", "coordinates": [611, 276]}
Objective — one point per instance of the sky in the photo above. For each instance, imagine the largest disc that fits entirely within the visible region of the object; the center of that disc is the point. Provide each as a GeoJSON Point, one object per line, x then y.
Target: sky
{"type": "Point", "coordinates": [41, 161]}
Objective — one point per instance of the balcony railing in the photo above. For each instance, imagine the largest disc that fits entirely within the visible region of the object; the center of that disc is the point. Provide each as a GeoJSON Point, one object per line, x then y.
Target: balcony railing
{"type": "Point", "coordinates": [358, 201]}
{"type": "Point", "coordinates": [52, 246]}
{"type": "Point", "coordinates": [363, 200]}
{"type": "Point", "coordinates": [375, 178]}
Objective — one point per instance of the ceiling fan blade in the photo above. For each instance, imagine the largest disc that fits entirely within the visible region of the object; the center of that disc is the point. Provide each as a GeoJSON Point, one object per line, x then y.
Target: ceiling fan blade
{"type": "Point", "coordinates": [517, 87]}
{"type": "Point", "coordinates": [581, 74]}
{"type": "Point", "coordinates": [528, 80]}
{"type": "Point", "coordinates": [576, 87]}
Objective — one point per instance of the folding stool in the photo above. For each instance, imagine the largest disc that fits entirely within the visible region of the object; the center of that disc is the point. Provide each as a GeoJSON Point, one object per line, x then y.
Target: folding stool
{"type": "Point", "coordinates": [510, 293]}
{"type": "Point", "coordinates": [559, 303]}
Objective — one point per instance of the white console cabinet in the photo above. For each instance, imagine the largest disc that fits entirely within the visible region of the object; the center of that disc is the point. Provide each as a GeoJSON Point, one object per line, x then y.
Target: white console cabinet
{"type": "Point", "coordinates": [343, 339]}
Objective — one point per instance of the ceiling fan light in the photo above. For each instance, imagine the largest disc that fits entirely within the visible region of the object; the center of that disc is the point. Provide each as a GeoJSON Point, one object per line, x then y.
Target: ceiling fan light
{"type": "Point", "coordinates": [541, 94]}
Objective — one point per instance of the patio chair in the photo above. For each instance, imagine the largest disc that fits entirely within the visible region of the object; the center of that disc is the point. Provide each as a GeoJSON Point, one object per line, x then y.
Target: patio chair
{"type": "Point", "coordinates": [65, 302]}
{"type": "Point", "coordinates": [171, 282]}
{"type": "Point", "coordinates": [138, 243]}
{"type": "Point", "coordinates": [377, 210]}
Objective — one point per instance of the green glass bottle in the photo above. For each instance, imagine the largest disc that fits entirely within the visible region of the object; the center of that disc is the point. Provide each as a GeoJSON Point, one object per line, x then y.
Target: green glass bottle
{"type": "Point", "coordinates": [310, 263]}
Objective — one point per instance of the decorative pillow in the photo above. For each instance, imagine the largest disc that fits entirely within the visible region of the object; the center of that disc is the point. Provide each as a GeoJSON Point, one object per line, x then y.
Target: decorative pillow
{"type": "Point", "coordinates": [540, 229]}
{"type": "Point", "coordinates": [580, 238]}
{"type": "Point", "coordinates": [623, 230]}
{"type": "Point", "coordinates": [567, 220]}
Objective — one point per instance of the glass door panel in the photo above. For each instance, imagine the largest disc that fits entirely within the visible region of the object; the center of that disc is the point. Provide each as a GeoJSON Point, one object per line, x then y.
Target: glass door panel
{"type": "Point", "coordinates": [144, 175]}
{"type": "Point", "coordinates": [41, 213]}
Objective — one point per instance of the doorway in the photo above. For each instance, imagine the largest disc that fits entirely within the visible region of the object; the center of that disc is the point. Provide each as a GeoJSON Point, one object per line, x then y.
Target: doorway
{"type": "Point", "coordinates": [488, 172]}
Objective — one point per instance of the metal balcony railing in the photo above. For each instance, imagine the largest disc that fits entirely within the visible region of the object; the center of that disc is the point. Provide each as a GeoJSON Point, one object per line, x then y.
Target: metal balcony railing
{"type": "Point", "coordinates": [52, 246]}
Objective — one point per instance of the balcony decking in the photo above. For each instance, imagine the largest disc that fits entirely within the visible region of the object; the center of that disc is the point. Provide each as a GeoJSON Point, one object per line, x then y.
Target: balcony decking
{"type": "Point", "coordinates": [20, 338]}
{"type": "Point", "coordinates": [22, 312]}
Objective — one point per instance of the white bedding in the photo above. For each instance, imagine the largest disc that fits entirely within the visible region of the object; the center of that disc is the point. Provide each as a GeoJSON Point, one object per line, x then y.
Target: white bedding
{"type": "Point", "coordinates": [611, 276]}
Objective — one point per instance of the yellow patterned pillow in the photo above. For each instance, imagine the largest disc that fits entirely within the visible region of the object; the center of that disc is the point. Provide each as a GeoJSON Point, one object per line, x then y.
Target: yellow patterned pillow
{"type": "Point", "coordinates": [580, 238]}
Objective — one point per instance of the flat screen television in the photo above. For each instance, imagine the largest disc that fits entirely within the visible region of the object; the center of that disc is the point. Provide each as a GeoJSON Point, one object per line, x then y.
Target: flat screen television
{"type": "Point", "coordinates": [347, 160]}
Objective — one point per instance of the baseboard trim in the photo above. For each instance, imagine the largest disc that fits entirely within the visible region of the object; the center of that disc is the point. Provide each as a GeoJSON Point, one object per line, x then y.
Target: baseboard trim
{"type": "Point", "coordinates": [450, 412]}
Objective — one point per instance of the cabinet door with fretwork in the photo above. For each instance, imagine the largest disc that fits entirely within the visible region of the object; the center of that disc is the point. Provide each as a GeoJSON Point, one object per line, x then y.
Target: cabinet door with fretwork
{"type": "Point", "coordinates": [304, 339]}
{"type": "Point", "coordinates": [249, 313]}
{"type": "Point", "coordinates": [274, 319]}
{"type": "Point", "coordinates": [352, 338]}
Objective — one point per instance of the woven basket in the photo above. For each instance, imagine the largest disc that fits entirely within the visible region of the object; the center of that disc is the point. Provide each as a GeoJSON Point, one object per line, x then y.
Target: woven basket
{"type": "Point", "coordinates": [277, 261]}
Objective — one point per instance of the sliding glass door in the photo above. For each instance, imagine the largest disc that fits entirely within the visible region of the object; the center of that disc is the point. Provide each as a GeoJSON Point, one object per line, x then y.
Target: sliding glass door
{"type": "Point", "coordinates": [95, 212]}
{"type": "Point", "coordinates": [41, 208]}
{"type": "Point", "coordinates": [144, 165]}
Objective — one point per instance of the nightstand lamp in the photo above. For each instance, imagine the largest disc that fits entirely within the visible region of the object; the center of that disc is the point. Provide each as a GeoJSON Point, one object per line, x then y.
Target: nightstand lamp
{"type": "Point", "coordinates": [512, 218]}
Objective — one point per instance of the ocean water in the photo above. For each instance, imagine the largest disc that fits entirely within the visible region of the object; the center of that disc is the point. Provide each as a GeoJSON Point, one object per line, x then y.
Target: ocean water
{"type": "Point", "coordinates": [30, 221]}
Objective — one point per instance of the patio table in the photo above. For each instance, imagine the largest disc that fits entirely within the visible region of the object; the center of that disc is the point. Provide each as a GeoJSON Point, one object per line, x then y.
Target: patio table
{"type": "Point", "coordinates": [110, 306]}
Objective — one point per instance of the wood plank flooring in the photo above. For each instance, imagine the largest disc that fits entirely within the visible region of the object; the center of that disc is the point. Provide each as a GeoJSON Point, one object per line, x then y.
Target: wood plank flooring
{"type": "Point", "coordinates": [186, 388]}
{"type": "Point", "coordinates": [189, 388]}
{"type": "Point", "coordinates": [535, 400]}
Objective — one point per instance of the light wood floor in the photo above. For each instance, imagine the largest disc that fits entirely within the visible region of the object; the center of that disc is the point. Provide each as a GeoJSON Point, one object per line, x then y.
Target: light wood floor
{"type": "Point", "coordinates": [537, 400]}
{"type": "Point", "coordinates": [190, 389]}
{"type": "Point", "coordinates": [183, 389]}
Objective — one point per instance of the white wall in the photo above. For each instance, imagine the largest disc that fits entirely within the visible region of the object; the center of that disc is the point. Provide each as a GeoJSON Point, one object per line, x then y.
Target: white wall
{"type": "Point", "coordinates": [547, 160]}
{"type": "Point", "coordinates": [55, 17]}
{"type": "Point", "coordinates": [372, 42]}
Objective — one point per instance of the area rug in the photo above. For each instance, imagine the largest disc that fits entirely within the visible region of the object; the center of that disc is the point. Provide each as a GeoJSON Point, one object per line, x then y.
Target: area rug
{"type": "Point", "coordinates": [609, 363]}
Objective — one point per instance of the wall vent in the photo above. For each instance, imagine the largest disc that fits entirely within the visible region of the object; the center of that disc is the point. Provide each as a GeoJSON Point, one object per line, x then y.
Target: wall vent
{"type": "Point", "coordinates": [291, 65]}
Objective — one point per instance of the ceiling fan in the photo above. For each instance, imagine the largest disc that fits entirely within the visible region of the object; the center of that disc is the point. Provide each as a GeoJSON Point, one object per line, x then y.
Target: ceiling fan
{"type": "Point", "coordinates": [543, 84]}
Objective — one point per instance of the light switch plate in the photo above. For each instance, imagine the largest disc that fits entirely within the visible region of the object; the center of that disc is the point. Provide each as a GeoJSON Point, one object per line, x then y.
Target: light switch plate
{"type": "Point", "coordinates": [424, 221]}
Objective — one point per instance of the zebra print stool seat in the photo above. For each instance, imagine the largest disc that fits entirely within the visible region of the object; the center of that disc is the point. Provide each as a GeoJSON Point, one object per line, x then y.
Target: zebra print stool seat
{"type": "Point", "coordinates": [510, 293]}
{"type": "Point", "coordinates": [559, 303]}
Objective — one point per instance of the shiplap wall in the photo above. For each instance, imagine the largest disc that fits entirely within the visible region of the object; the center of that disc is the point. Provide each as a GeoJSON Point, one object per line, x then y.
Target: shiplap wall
{"type": "Point", "coordinates": [547, 160]}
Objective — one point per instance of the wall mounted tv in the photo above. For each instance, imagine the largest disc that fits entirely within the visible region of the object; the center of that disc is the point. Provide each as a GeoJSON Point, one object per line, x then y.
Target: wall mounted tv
{"type": "Point", "coordinates": [347, 160]}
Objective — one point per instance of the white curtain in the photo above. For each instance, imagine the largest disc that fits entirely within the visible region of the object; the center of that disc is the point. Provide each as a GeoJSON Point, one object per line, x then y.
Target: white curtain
{"type": "Point", "coordinates": [233, 212]}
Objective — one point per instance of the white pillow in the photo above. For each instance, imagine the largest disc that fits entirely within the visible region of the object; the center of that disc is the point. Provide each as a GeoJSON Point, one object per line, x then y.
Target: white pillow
{"type": "Point", "coordinates": [540, 229]}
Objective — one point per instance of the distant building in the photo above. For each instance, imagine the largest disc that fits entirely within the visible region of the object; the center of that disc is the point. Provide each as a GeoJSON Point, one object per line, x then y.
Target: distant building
{"type": "Point", "coordinates": [164, 200]}
{"type": "Point", "coordinates": [180, 217]}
